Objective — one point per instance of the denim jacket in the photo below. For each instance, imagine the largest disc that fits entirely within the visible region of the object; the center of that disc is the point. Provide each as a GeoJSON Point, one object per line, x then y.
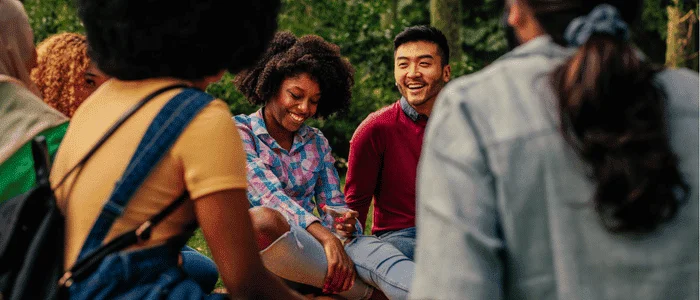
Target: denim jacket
{"type": "Point", "coordinates": [505, 204]}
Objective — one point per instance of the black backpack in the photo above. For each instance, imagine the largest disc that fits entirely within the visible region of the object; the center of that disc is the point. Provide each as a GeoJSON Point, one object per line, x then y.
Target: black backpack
{"type": "Point", "coordinates": [31, 237]}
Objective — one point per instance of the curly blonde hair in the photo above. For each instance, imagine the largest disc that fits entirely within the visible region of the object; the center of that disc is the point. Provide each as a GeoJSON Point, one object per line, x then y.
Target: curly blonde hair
{"type": "Point", "coordinates": [62, 61]}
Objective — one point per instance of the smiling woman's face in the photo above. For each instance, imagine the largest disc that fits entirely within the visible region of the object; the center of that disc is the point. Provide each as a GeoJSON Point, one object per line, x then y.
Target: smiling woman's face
{"type": "Point", "coordinates": [295, 102]}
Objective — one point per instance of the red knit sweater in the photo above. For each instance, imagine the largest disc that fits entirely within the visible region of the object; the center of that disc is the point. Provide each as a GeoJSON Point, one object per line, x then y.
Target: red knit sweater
{"type": "Point", "coordinates": [384, 153]}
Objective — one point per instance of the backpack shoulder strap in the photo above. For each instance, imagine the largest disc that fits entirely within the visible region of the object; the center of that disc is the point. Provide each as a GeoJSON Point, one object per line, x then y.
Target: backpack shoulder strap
{"type": "Point", "coordinates": [114, 128]}
{"type": "Point", "coordinates": [159, 137]}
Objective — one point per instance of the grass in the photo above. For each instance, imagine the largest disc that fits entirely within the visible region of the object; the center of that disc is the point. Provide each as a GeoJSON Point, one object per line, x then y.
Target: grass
{"type": "Point", "coordinates": [197, 240]}
{"type": "Point", "coordinates": [198, 243]}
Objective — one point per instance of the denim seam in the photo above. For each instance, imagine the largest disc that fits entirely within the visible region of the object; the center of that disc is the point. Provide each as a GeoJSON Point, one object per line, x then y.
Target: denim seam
{"type": "Point", "coordinates": [383, 278]}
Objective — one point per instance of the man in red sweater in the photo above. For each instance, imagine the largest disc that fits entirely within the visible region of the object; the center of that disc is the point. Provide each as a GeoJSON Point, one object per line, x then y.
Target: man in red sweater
{"type": "Point", "coordinates": [385, 148]}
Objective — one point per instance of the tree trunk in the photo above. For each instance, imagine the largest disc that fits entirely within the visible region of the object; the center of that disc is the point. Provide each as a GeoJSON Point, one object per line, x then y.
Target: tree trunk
{"type": "Point", "coordinates": [446, 15]}
{"type": "Point", "coordinates": [681, 42]}
{"type": "Point", "coordinates": [391, 15]}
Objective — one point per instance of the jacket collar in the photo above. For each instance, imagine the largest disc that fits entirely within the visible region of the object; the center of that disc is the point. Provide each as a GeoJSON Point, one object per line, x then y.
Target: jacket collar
{"type": "Point", "coordinates": [541, 45]}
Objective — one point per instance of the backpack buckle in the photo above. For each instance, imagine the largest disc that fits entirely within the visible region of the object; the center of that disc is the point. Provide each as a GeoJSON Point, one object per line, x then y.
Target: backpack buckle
{"type": "Point", "coordinates": [66, 280]}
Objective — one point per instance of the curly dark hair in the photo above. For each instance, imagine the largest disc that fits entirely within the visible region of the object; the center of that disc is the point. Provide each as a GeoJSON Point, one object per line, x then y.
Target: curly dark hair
{"type": "Point", "coordinates": [288, 56]}
{"type": "Point", "coordinates": [186, 39]}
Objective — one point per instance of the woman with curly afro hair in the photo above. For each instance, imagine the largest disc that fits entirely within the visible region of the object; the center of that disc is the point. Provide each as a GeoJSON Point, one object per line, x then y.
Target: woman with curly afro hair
{"type": "Point", "coordinates": [291, 175]}
{"type": "Point", "coordinates": [64, 73]}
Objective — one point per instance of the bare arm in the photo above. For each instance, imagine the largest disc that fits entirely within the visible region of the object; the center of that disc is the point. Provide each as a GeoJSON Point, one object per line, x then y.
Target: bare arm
{"type": "Point", "coordinates": [341, 269]}
{"type": "Point", "coordinates": [223, 217]}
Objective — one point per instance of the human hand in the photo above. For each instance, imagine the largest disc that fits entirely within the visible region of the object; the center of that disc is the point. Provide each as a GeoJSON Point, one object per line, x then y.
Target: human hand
{"type": "Point", "coordinates": [344, 220]}
{"type": "Point", "coordinates": [341, 270]}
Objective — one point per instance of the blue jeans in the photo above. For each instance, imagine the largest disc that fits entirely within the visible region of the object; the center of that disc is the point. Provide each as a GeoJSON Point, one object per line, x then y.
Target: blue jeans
{"type": "Point", "coordinates": [381, 265]}
{"type": "Point", "coordinates": [150, 273]}
{"type": "Point", "coordinates": [199, 268]}
{"type": "Point", "coordinates": [404, 240]}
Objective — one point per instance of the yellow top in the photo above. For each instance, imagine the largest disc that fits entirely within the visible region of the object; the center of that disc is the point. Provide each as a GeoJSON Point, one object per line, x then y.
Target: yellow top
{"type": "Point", "coordinates": [208, 157]}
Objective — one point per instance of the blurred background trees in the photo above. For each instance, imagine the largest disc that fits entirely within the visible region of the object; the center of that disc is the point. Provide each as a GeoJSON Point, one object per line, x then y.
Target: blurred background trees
{"type": "Point", "coordinates": [682, 34]}
{"type": "Point", "coordinates": [364, 30]}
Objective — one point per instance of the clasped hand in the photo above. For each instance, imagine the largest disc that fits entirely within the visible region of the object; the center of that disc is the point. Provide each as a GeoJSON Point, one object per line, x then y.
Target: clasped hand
{"type": "Point", "coordinates": [343, 221]}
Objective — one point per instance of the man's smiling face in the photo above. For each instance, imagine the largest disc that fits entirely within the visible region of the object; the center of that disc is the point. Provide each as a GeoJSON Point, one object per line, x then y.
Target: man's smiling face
{"type": "Point", "coordinates": [419, 73]}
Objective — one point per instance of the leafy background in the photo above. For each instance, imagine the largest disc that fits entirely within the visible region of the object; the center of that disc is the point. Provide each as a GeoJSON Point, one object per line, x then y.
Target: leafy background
{"type": "Point", "coordinates": [364, 30]}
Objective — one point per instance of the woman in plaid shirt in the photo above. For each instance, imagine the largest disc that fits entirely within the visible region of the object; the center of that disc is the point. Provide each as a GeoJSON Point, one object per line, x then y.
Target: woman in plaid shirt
{"type": "Point", "coordinates": [291, 175]}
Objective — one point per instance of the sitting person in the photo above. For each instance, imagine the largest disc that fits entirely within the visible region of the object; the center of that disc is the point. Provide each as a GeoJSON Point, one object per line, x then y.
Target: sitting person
{"type": "Point", "coordinates": [23, 114]}
{"type": "Point", "coordinates": [129, 41]}
{"type": "Point", "coordinates": [64, 74]}
{"type": "Point", "coordinates": [291, 174]}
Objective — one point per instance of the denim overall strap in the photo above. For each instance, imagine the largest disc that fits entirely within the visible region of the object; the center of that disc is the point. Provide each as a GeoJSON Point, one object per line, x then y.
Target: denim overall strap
{"type": "Point", "coordinates": [159, 137]}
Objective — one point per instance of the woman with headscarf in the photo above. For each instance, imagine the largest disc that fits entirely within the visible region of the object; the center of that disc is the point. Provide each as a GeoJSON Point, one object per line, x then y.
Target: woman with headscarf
{"type": "Point", "coordinates": [22, 113]}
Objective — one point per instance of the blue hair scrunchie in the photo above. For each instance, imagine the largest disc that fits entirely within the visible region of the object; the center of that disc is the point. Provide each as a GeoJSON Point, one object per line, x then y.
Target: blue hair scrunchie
{"type": "Point", "coordinates": [604, 19]}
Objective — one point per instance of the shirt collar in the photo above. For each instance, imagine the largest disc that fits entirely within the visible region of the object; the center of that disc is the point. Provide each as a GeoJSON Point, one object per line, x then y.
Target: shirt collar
{"type": "Point", "coordinates": [410, 111]}
{"type": "Point", "coordinates": [257, 123]}
{"type": "Point", "coordinates": [259, 129]}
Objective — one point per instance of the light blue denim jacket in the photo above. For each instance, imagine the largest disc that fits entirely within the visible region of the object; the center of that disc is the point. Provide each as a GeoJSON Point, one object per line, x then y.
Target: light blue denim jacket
{"type": "Point", "coordinates": [505, 205]}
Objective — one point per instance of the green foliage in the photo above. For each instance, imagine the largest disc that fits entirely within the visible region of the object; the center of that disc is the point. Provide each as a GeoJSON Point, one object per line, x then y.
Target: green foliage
{"type": "Point", "coordinates": [356, 26]}
{"type": "Point", "coordinates": [483, 34]}
{"type": "Point", "coordinates": [225, 90]}
{"type": "Point", "coordinates": [655, 17]}
{"type": "Point", "coordinates": [48, 17]}
{"type": "Point", "coordinates": [413, 12]}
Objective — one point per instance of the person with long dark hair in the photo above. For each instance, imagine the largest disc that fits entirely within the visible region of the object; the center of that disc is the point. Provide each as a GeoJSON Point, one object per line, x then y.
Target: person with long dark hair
{"type": "Point", "coordinates": [567, 169]}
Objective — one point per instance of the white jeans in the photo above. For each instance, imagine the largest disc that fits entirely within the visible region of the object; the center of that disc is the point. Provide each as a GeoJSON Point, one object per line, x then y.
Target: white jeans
{"type": "Point", "coordinates": [299, 257]}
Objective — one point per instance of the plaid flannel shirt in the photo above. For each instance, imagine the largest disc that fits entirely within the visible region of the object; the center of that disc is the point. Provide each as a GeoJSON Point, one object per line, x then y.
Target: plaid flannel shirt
{"type": "Point", "coordinates": [292, 182]}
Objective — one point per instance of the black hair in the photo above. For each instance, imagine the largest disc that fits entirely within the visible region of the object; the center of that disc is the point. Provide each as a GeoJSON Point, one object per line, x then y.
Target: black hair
{"type": "Point", "coordinates": [613, 114]}
{"type": "Point", "coordinates": [288, 56]}
{"type": "Point", "coordinates": [427, 34]}
{"type": "Point", "coordinates": [186, 39]}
